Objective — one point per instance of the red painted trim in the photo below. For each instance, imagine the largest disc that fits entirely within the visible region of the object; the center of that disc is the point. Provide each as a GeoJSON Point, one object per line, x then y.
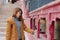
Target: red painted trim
{"type": "Point", "coordinates": [38, 29]}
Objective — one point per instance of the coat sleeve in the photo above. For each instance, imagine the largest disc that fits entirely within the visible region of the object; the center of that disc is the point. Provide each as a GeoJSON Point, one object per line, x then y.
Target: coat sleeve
{"type": "Point", "coordinates": [28, 29]}
{"type": "Point", "coordinates": [8, 31]}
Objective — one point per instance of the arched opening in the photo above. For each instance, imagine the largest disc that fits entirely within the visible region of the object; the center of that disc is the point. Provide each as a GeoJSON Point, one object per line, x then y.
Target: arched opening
{"type": "Point", "coordinates": [43, 25]}
{"type": "Point", "coordinates": [33, 23]}
{"type": "Point", "coordinates": [57, 29]}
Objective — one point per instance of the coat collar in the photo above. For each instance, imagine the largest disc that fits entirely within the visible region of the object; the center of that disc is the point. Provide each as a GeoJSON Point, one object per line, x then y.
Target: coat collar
{"type": "Point", "coordinates": [11, 20]}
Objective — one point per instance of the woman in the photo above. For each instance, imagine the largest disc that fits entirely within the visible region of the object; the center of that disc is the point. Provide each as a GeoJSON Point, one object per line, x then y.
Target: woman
{"type": "Point", "coordinates": [16, 27]}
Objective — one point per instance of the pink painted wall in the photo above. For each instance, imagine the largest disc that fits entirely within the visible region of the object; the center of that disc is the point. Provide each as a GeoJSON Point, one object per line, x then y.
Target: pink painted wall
{"type": "Point", "coordinates": [50, 13]}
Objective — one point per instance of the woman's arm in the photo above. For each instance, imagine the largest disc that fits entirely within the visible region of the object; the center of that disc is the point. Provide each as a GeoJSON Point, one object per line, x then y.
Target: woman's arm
{"type": "Point", "coordinates": [27, 29]}
{"type": "Point", "coordinates": [8, 31]}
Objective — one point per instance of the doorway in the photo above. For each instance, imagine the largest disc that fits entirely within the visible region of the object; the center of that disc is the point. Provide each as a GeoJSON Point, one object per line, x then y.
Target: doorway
{"type": "Point", "coordinates": [57, 29]}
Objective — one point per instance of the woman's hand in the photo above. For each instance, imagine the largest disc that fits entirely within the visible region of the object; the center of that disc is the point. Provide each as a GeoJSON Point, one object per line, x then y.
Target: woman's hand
{"type": "Point", "coordinates": [33, 32]}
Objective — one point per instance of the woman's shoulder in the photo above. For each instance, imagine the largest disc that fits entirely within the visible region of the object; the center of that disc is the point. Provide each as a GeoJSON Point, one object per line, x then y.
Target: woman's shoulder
{"type": "Point", "coordinates": [23, 19]}
{"type": "Point", "coordinates": [10, 19]}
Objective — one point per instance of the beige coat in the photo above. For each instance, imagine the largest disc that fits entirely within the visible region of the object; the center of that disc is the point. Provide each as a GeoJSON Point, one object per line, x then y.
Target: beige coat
{"type": "Point", "coordinates": [11, 31]}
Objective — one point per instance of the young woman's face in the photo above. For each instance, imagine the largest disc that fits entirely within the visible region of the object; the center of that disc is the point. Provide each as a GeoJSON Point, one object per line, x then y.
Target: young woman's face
{"type": "Point", "coordinates": [18, 14]}
{"type": "Point", "coordinates": [10, 1]}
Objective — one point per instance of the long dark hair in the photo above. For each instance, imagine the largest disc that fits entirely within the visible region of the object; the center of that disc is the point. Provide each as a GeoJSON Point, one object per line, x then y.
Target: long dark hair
{"type": "Point", "coordinates": [15, 11]}
{"type": "Point", "coordinates": [13, 1]}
